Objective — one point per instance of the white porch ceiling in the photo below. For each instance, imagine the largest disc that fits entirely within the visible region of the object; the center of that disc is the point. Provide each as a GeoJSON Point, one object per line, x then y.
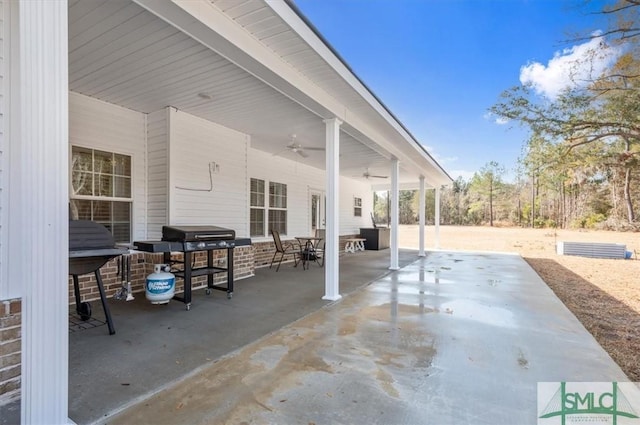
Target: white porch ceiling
{"type": "Point", "coordinates": [123, 54]}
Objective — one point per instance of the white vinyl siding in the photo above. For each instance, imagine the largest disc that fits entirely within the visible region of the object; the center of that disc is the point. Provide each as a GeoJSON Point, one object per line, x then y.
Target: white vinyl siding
{"type": "Point", "coordinates": [349, 190]}
{"type": "Point", "coordinates": [10, 271]}
{"type": "Point", "coordinates": [157, 173]}
{"type": "Point", "coordinates": [99, 125]}
{"type": "Point", "coordinates": [208, 174]}
{"type": "Point", "coordinates": [172, 153]}
{"type": "Point", "coordinates": [301, 180]}
{"type": "Point", "coordinates": [5, 289]}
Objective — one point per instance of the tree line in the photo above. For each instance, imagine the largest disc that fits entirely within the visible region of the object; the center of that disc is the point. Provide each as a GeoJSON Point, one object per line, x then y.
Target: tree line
{"type": "Point", "coordinates": [539, 201]}
{"type": "Point", "coordinates": [580, 166]}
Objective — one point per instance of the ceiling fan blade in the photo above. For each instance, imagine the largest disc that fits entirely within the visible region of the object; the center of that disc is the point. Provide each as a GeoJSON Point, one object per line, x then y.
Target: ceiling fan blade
{"type": "Point", "coordinates": [311, 148]}
{"type": "Point", "coordinates": [379, 177]}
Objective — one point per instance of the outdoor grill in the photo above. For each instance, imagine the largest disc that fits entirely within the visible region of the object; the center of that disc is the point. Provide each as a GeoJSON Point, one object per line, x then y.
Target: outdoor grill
{"type": "Point", "coordinates": [191, 239]}
{"type": "Point", "coordinates": [91, 245]}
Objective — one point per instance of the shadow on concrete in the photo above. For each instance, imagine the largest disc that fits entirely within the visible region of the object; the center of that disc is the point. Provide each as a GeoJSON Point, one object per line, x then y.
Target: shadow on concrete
{"type": "Point", "coordinates": [157, 345]}
{"type": "Point", "coordinates": [614, 324]}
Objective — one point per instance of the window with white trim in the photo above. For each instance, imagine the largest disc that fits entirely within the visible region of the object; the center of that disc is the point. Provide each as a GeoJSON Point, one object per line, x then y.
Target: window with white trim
{"type": "Point", "coordinates": [266, 216]}
{"type": "Point", "coordinates": [357, 207]}
{"type": "Point", "coordinates": [278, 207]}
{"type": "Point", "coordinates": [101, 190]}
{"type": "Point", "coordinates": [257, 208]}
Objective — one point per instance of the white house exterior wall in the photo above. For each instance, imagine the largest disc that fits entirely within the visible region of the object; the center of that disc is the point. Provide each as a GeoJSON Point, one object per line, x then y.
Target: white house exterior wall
{"type": "Point", "coordinates": [171, 152]}
{"type": "Point", "coordinates": [301, 180]}
{"type": "Point", "coordinates": [5, 290]}
{"type": "Point", "coordinates": [157, 172]}
{"type": "Point", "coordinates": [350, 189]}
{"type": "Point", "coordinates": [100, 125]}
{"type": "Point", "coordinates": [194, 145]}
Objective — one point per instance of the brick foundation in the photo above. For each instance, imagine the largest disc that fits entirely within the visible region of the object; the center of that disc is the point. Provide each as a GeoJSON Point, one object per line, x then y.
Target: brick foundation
{"type": "Point", "coordinates": [10, 349]}
{"type": "Point", "coordinates": [142, 265]}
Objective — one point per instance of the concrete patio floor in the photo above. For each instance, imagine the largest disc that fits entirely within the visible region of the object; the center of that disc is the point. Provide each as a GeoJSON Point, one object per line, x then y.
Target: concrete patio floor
{"type": "Point", "coordinates": [156, 345]}
{"type": "Point", "coordinates": [453, 338]}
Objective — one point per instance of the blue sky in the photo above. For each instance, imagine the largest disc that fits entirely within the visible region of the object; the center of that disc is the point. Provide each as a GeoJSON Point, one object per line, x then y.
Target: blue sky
{"type": "Point", "coordinates": [440, 64]}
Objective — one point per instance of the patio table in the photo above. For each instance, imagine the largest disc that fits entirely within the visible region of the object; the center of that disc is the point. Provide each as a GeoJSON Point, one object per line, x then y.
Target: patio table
{"type": "Point", "coordinates": [308, 249]}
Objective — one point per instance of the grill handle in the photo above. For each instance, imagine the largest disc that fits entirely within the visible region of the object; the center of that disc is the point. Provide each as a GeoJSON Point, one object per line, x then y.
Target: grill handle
{"type": "Point", "coordinates": [216, 236]}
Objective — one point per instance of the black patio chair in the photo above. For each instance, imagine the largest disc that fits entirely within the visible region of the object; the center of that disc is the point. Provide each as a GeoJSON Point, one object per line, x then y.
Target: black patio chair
{"type": "Point", "coordinates": [288, 249]}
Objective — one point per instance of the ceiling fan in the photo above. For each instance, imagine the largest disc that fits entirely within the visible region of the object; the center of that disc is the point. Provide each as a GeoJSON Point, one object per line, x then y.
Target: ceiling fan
{"type": "Point", "coordinates": [296, 147]}
{"type": "Point", "coordinates": [367, 175]}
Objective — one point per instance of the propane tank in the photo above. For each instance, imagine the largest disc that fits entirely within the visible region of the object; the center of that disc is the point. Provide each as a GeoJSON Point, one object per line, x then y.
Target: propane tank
{"type": "Point", "coordinates": [161, 285]}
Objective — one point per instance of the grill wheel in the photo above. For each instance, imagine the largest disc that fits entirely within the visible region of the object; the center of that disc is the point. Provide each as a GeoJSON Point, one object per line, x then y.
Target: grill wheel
{"type": "Point", "coordinates": [85, 311]}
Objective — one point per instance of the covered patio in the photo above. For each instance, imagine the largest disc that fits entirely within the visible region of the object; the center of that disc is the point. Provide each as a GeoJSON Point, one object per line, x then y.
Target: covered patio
{"type": "Point", "coordinates": [155, 346]}
{"type": "Point", "coordinates": [451, 338]}
{"type": "Point", "coordinates": [140, 114]}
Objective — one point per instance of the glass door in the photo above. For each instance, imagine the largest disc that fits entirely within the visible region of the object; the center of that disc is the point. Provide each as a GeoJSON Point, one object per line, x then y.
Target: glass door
{"type": "Point", "coordinates": [317, 211]}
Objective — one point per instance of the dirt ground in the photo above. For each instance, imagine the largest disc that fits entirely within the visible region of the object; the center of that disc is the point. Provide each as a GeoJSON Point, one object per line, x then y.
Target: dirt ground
{"type": "Point", "coordinates": [603, 294]}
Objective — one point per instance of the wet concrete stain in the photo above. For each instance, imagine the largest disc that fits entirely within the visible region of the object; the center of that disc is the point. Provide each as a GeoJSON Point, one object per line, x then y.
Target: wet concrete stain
{"type": "Point", "coordinates": [522, 360]}
{"type": "Point", "coordinates": [255, 381]}
{"type": "Point", "coordinates": [383, 311]}
{"type": "Point", "coordinates": [386, 382]}
{"type": "Point", "coordinates": [378, 339]}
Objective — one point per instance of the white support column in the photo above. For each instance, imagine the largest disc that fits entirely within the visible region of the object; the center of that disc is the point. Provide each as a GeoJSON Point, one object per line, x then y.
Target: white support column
{"type": "Point", "coordinates": [41, 173]}
{"type": "Point", "coordinates": [437, 218]}
{"type": "Point", "coordinates": [332, 235]}
{"type": "Point", "coordinates": [395, 211]}
{"type": "Point", "coordinates": [422, 220]}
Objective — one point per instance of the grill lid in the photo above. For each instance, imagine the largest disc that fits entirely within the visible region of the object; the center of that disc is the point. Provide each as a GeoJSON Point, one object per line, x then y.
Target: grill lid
{"type": "Point", "coordinates": [196, 233]}
{"type": "Point", "coordinates": [88, 235]}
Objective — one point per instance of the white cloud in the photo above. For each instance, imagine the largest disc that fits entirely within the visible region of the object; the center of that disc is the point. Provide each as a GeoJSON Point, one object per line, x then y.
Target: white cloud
{"type": "Point", "coordinates": [498, 120]}
{"type": "Point", "coordinates": [466, 175]}
{"type": "Point", "coordinates": [440, 159]}
{"type": "Point", "coordinates": [572, 67]}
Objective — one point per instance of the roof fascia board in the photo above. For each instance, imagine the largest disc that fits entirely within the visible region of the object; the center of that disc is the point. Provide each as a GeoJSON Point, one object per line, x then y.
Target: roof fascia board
{"type": "Point", "coordinates": [293, 19]}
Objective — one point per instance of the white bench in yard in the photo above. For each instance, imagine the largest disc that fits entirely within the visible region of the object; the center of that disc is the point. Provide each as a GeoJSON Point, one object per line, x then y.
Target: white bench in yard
{"type": "Point", "coordinates": [354, 244]}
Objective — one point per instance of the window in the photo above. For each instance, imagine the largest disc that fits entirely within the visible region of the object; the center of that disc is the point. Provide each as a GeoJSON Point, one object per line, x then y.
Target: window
{"type": "Point", "coordinates": [101, 190]}
{"type": "Point", "coordinates": [357, 207]}
{"type": "Point", "coordinates": [278, 207]}
{"type": "Point", "coordinates": [271, 216]}
{"type": "Point", "coordinates": [256, 218]}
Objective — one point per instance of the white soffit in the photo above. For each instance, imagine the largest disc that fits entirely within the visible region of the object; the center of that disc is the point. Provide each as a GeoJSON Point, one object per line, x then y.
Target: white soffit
{"type": "Point", "coordinates": [289, 37]}
{"type": "Point", "coordinates": [146, 58]}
